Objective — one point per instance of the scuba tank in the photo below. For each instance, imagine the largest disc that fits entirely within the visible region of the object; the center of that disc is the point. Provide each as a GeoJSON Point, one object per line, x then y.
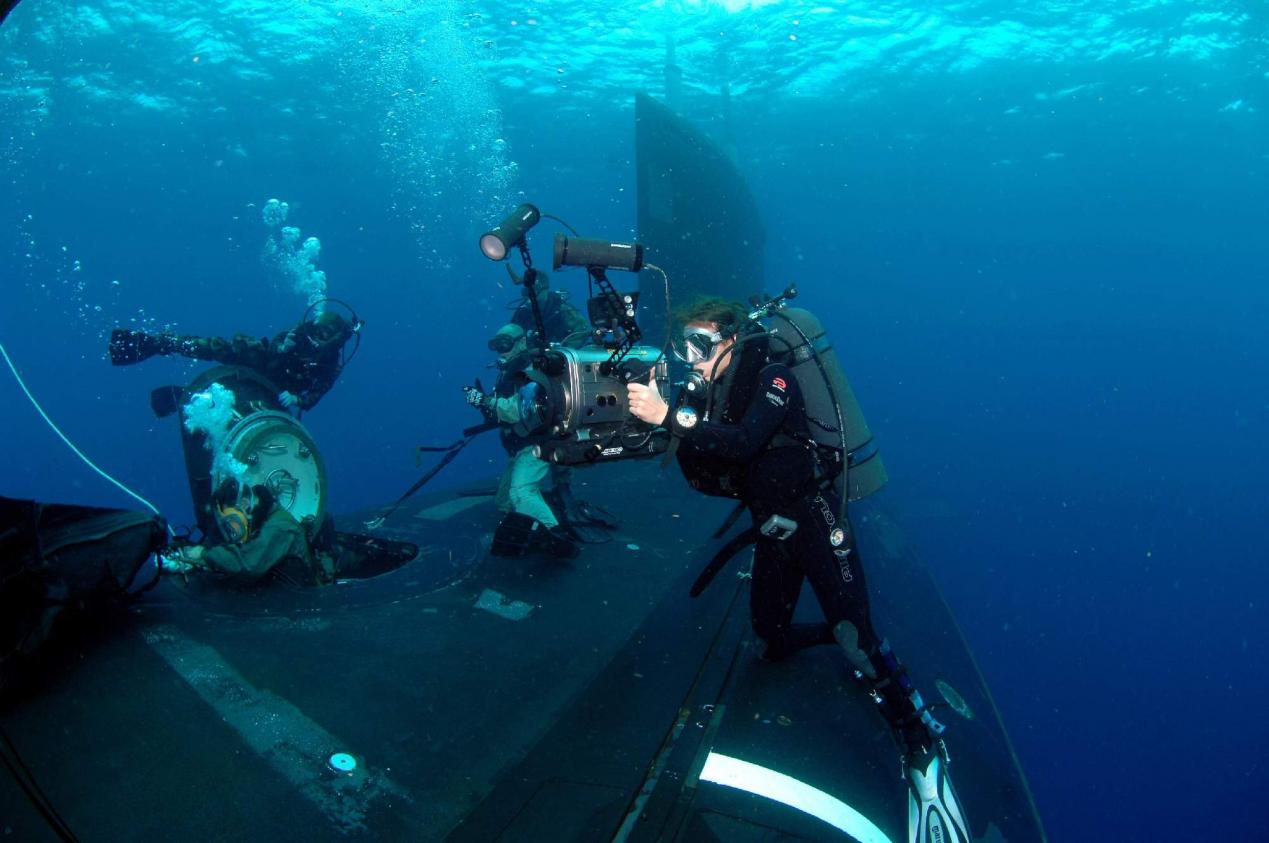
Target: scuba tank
{"type": "Point", "coordinates": [799, 341]}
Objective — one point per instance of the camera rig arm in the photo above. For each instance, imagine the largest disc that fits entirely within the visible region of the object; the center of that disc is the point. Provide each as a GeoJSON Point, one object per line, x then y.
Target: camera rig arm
{"type": "Point", "coordinates": [618, 314]}
{"type": "Point", "coordinates": [529, 280]}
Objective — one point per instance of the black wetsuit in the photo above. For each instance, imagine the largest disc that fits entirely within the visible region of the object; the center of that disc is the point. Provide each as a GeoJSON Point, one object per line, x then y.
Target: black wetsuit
{"type": "Point", "coordinates": [761, 455]}
{"type": "Point", "coordinates": [756, 447]}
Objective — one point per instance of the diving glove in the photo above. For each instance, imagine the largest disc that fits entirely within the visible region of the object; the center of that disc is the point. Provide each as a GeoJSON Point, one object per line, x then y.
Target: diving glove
{"type": "Point", "coordinates": [478, 399]}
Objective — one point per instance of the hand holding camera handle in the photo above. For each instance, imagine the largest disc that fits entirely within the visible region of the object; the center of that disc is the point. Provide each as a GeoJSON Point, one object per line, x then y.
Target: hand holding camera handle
{"type": "Point", "coordinates": [634, 371]}
{"type": "Point", "coordinates": [645, 402]}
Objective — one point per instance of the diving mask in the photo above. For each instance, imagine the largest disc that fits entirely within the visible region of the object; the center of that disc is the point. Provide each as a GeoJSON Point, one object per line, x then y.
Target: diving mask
{"type": "Point", "coordinates": [697, 345]}
{"type": "Point", "coordinates": [232, 511]}
{"type": "Point", "coordinates": [234, 523]}
{"type": "Point", "coordinates": [502, 343]}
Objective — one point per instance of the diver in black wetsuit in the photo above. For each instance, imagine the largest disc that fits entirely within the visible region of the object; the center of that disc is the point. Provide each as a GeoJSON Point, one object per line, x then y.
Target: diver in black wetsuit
{"type": "Point", "coordinates": [745, 435]}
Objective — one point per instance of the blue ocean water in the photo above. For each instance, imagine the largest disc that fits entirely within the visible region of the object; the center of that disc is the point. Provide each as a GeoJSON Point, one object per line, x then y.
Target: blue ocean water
{"type": "Point", "coordinates": [1037, 233]}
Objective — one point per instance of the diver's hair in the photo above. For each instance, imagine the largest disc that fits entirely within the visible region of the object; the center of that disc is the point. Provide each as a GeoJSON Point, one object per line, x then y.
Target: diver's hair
{"type": "Point", "coordinates": [265, 504]}
{"type": "Point", "coordinates": [729, 316]}
{"type": "Point", "coordinates": [226, 495]}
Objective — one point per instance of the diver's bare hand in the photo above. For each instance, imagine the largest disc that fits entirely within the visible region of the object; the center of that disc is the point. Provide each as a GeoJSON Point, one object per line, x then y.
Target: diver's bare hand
{"type": "Point", "coordinates": [646, 403]}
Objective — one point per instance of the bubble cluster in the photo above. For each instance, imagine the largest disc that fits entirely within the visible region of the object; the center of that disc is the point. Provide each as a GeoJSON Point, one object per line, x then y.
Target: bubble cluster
{"type": "Point", "coordinates": [211, 412]}
{"type": "Point", "coordinates": [275, 212]}
{"type": "Point", "coordinates": [441, 130]}
{"type": "Point", "coordinates": [293, 260]}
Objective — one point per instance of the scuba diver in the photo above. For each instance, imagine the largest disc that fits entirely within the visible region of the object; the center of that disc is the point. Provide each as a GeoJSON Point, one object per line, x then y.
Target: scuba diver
{"type": "Point", "coordinates": [529, 521]}
{"type": "Point", "coordinates": [269, 383]}
{"type": "Point", "coordinates": [263, 540]}
{"type": "Point", "coordinates": [562, 322]}
{"type": "Point", "coordinates": [551, 520]}
{"type": "Point", "coordinates": [303, 362]}
{"type": "Point", "coordinates": [743, 431]}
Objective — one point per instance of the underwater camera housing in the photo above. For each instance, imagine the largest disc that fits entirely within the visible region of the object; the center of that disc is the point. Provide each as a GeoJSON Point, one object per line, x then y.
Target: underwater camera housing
{"type": "Point", "coordinates": [573, 401]}
{"type": "Point", "coordinates": [577, 397]}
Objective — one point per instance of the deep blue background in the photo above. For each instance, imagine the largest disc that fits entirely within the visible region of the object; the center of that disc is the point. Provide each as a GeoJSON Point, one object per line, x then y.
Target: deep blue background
{"type": "Point", "coordinates": [1052, 311]}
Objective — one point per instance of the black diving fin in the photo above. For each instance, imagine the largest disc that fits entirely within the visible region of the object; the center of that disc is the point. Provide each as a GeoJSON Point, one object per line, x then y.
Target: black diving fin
{"type": "Point", "coordinates": [520, 535]}
{"type": "Point", "coordinates": [166, 400]}
{"type": "Point", "coordinates": [128, 347]}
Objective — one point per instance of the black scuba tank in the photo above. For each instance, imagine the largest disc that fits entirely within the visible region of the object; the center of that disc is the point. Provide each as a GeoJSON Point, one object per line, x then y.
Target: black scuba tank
{"type": "Point", "coordinates": [799, 341]}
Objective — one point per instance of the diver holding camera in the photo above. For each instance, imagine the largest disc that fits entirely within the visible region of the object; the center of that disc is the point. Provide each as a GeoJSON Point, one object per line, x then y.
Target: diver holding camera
{"type": "Point", "coordinates": [560, 396]}
{"type": "Point", "coordinates": [767, 418]}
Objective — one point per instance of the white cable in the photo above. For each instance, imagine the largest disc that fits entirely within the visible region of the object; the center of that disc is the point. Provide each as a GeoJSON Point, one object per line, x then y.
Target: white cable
{"type": "Point", "coordinates": [70, 444]}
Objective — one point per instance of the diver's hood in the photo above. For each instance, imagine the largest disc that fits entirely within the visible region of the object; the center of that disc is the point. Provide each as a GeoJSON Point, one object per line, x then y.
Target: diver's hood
{"type": "Point", "coordinates": [328, 330]}
{"type": "Point", "coordinates": [516, 359]}
{"type": "Point", "coordinates": [510, 341]}
{"type": "Point", "coordinates": [510, 330]}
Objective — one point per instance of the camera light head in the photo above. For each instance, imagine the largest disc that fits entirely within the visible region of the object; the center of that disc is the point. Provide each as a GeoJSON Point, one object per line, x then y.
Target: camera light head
{"type": "Point", "coordinates": [501, 239]}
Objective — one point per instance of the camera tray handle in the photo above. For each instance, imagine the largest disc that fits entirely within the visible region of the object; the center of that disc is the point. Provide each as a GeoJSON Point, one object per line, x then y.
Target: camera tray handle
{"type": "Point", "coordinates": [621, 315]}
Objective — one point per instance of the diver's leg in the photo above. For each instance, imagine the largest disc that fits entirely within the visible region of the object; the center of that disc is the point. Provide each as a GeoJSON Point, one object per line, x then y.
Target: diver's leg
{"type": "Point", "coordinates": [837, 579]}
{"type": "Point", "coordinates": [525, 489]}
{"type": "Point", "coordinates": [528, 524]}
{"type": "Point", "coordinates": [559, 494]}
{"type": "Point", "coordinates": [830, 557]}
{"type": "Point", "coordinates": [773, 595]}
{"type": "Point", "coordinates": [828, 554]}
{"type": "Point", "coordinates": [200, 348]}
{"type": "Point", "coordinates": [561, 478]}
{"type": "Point", "coordinates": [128, 346]}
{"type": "Point", "coordinates": [502, 499]}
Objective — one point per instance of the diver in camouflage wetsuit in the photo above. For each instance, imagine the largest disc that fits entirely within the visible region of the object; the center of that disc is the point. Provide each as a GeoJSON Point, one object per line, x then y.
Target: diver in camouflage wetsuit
{"type": "Point", "coordinates": [521, 490]}
{"type": "Point", "coordinates": [303, 362]}
{"type": "Point", "coordinates": [267, 543]}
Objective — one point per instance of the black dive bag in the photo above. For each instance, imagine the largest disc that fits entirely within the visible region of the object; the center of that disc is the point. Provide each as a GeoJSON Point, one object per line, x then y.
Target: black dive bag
{"type": "Point", "coordinates": [56, 559]}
